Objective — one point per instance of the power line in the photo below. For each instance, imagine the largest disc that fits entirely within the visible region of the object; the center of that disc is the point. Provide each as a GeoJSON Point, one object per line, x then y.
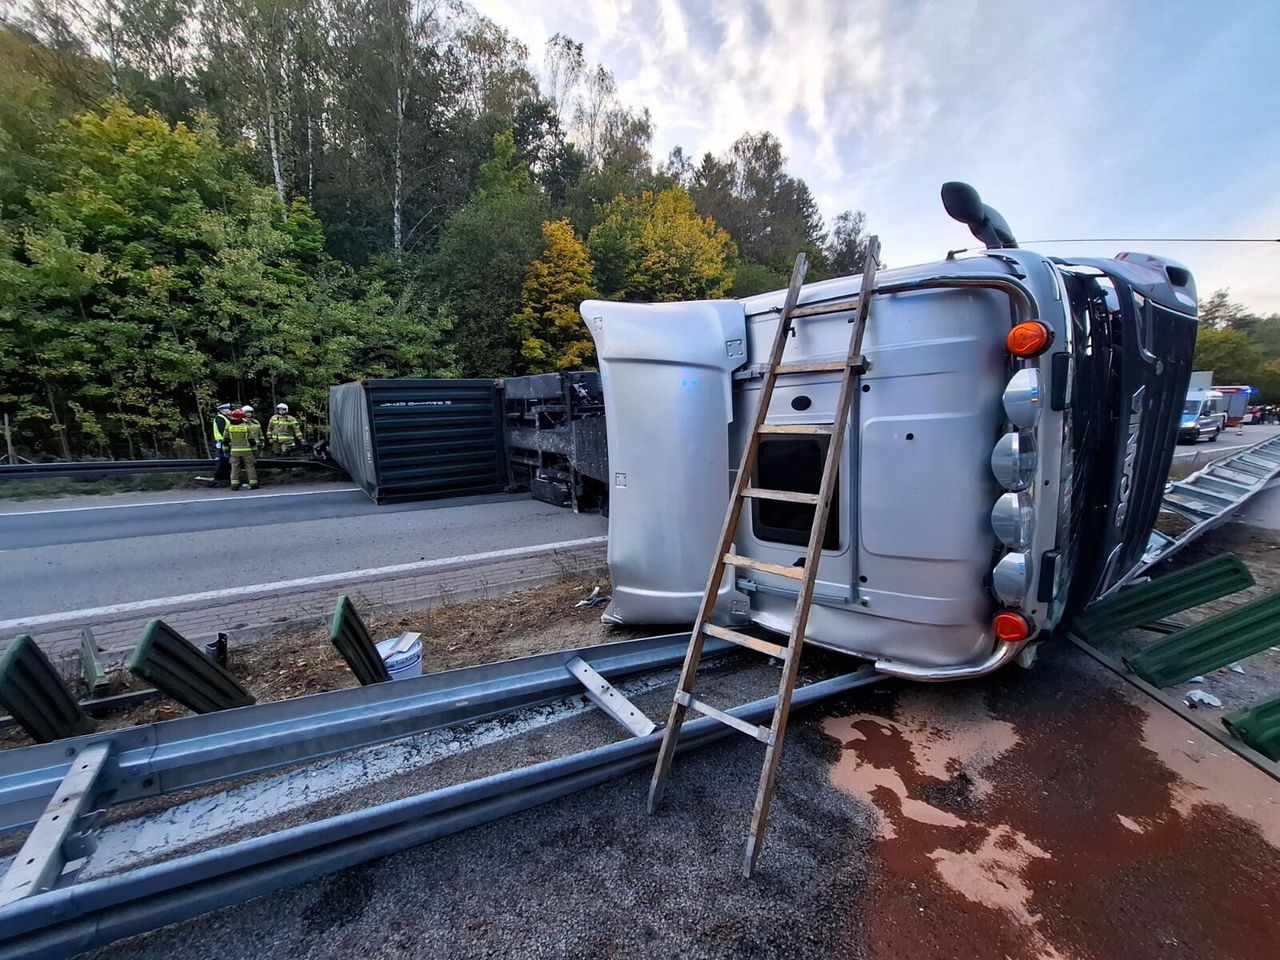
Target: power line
{"type": "Point", "coordinates": [1158, 240]}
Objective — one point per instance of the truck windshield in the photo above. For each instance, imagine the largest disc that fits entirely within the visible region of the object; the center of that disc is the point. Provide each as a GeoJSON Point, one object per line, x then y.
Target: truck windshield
{"type": "Point", "coordinates": [1192, 409]}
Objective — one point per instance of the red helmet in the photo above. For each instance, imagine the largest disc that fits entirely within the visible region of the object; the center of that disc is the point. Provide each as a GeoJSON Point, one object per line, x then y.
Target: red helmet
{"type": "Point", "coordinates": [237, 416]}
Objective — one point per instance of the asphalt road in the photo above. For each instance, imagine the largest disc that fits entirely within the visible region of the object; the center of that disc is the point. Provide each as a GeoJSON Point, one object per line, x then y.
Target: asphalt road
{"type": "Point", "coordinates": [1229, 442]}
{"type": "Point", "coordinates": [1050, 814]}
{"type": "Point", "coordinates": [56, 557]}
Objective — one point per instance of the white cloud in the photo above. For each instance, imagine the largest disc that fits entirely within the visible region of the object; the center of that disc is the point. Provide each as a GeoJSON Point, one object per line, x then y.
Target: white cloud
{"type": "Point", "coordinates": [1075, 120]}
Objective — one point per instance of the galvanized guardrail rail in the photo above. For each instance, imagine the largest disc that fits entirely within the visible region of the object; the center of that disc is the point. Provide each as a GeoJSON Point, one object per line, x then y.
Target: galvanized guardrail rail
{"type": "Point", "coordinates": [97, 469]}
{"type": "Point", "coordinates": [1208, 498]}
{"type": "Point", "coordinates": [45, 914]}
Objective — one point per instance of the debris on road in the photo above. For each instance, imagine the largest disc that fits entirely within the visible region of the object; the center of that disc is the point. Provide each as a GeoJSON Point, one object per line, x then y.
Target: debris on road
{"type": "Point", "coordinates": [1197, 698]}
{"type": "Point", "coordinates": [594, 599]}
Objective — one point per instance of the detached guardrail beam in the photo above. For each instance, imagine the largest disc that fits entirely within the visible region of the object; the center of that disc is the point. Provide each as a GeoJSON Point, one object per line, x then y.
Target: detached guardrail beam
{"type": "Point", "coordinates": [59, 836]}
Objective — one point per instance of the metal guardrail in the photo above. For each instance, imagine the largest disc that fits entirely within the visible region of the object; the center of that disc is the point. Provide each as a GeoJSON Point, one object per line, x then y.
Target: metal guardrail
{"type": "Point", "coordinates": [68, 920]}
{"type": "Point", "coordinates": [174, 755]}
{"type": "Point", "coordinates": [1208, 498]}
{"type": "Point", "coordinates": [106, 468]}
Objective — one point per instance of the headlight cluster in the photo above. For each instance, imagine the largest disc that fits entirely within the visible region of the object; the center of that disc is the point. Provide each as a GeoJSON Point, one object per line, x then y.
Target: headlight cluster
{"type": "Point", "coordinates": [1013, 462]}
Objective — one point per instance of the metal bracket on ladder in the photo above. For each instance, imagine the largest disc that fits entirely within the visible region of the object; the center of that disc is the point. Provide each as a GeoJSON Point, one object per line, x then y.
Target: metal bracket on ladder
{"type": "Point", "coordinates": [60, 836]}
{"type": "Point", "coordinates": [851, 368]}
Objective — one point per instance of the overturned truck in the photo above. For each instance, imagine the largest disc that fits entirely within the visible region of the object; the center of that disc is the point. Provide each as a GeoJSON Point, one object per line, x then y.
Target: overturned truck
{"type": "Point", "coordinates": [1006, 452]}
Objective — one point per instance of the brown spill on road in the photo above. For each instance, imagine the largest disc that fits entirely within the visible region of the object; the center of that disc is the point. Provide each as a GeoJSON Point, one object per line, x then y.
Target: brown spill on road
{"type": "Point", "coordinates": [1059, 814]}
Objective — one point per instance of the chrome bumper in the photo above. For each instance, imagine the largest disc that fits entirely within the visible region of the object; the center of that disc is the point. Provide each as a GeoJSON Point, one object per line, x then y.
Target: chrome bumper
{"type": "Point", "coordinates": [1003, 654]}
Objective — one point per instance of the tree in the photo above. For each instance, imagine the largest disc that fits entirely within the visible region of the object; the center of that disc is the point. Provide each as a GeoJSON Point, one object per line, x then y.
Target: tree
{"type": "Point", "coordinates": [846, 248]}
{"type": "Point", "coordinates": [1219, 312]}
{"type": "Point", "coordinates": [656, 247]}
{"type": "Point", "coordinates": [563, 67]}
{"type": "Point", "coordinates": [480, 265]}
{"type": "Point", "coordinates": [1229, 354]}
{"type": "Point", "coordinates": [554, 337]}
{"type": "Point", "coordinates": [152, 275]}
{"type": "Point", "coordinates": [771, 215]}
{"type": "Point", "coordinates": [555, 163]}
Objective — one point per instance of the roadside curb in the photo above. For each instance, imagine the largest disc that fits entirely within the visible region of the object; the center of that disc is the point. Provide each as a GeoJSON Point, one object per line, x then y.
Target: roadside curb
{"type": "Point", "coordinates": [260, 610]}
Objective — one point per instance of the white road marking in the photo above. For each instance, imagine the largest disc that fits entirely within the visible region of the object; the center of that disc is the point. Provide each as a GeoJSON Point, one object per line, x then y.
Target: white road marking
{"type": "Point", "coordinates": [169, 503]}
{"type": "Point", "coordinates": [24, 623]}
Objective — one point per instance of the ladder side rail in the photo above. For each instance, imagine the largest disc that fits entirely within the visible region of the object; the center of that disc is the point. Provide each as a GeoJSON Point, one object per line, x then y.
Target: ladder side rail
{"type": "Point", "coordinates": [732, 518]}
{"type": "Point", "coordinates": [804, 599]}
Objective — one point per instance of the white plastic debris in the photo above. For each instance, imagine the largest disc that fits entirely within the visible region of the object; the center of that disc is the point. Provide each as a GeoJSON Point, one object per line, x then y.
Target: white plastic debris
{"type": "Point", "coordinates": [1196, 680]}
{"type": "Point", "coordinates": [593, 600]}
{"type": "Point", "coordinates": [1236, 668]}
{"type": "Point", "coordinates": [1199, 698]}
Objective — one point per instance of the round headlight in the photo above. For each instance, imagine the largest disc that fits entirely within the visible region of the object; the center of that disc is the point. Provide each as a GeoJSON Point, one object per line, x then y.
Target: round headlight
{"type": "Point", "coordinates": [1011, 579]}
{"type": "Point", "coordinates": [1022, 398]}
{"type": "Point", "coordinates": [1014, 459]}
{"type": "Point", "coordinates": [1014, 520]}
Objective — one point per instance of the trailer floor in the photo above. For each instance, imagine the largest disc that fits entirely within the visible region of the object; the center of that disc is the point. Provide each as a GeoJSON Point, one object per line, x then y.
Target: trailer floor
{"type": "Point", "coordinates": [1056, 813]}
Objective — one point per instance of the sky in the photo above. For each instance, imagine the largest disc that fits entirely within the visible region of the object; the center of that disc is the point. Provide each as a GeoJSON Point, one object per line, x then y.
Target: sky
{"type": "Point", "coordinates": [1075, 120]}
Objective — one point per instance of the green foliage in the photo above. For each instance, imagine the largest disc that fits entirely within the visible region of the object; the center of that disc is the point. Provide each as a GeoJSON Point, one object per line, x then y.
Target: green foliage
{"type": "Point", "coordinates": [155, 276]}
{"type": "Point", "coordinates": [554, 337]}
{"type": "Point", "coordinates": [1229, 354]}
{"type": "Point", "coordinates": [484, 251]}
{"type": "Point", "coordinates": [254, 199]}
{"type": "Point", "coordinates": [657, 247]}
{"type": "Point", "coordinates": [1239, 346]}
{"type": "Point", "coordinates": [769, 213]}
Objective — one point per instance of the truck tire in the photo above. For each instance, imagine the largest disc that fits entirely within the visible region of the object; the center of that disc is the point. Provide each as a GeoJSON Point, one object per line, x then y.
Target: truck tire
{"type": "Point", "coordinates": [1214, 436]}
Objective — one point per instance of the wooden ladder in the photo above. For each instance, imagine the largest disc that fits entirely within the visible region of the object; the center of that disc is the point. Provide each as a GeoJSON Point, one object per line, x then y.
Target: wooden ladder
{"type": "Point", "coordinates": [851, 369]}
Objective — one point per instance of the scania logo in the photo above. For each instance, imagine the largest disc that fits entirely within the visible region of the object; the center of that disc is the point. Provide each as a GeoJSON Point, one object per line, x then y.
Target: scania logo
{"type": "Point", "coordinates": [1130, 455]}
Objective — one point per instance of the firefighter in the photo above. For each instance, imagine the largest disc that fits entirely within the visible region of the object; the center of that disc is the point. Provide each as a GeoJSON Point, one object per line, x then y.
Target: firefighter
{"type": "Point", "coordinates": [252, 420]}
{"type": "Point", "coordinates": [243, 438]}
{"type": "Point", "coordinates": [283, 431]}
{"type": "Point", "coordinates": [222, 466]}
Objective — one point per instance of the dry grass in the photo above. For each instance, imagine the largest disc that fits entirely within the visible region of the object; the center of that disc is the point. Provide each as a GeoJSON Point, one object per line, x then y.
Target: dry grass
{"type": "Point", "coordinates": [300, 663]}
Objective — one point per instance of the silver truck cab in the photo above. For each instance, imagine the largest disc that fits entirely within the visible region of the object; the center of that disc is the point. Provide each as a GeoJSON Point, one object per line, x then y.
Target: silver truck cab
{"type": "Point", "coordinates": [973, 481]}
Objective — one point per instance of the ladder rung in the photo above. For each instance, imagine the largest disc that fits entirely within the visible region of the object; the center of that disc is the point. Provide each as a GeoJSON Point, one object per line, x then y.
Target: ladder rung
{"type": "Point", "coordinates": [763, 734]}
{"type": "Point", "coordinates": [777, 569]}
{"type": "Point", "coordinates": [786, 496]}
{"type": "Point", "coordinates": [805, 429]}
{"type": "Point", "coordinates": [733, 636]}
{"type": "Point", "coordinates": [822, 366]}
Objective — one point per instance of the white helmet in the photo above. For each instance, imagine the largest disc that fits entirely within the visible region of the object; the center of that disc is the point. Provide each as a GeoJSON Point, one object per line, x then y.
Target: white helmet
{"type": "Point", "coordinates": [282, 408]}
{"type": "Point", "coordinates": [248, 410]}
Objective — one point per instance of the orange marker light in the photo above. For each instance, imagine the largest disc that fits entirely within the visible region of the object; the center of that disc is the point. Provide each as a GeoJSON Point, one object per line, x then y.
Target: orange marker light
{"type": "Point", "coordinates": [1010, 627]}
{"type": "Point", "coordinates": [1029, 339]}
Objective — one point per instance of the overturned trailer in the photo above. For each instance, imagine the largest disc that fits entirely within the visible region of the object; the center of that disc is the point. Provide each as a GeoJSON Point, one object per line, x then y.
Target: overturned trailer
{"type": "Point", "coordinates": [1006, 452]}
{"type": "Point", "coordinates": [555, 439]}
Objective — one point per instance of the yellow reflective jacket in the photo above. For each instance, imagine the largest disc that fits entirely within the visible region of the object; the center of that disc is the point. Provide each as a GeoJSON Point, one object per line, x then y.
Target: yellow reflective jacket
{"type": "Point", "coordinates": [283, 427]}
{"type": "Point", "coordinates": [243, 438]}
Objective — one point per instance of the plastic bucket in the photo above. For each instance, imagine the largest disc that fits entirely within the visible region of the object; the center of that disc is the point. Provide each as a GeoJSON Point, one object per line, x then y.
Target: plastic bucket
{"type": "Point", "coordinates": [406, 663]}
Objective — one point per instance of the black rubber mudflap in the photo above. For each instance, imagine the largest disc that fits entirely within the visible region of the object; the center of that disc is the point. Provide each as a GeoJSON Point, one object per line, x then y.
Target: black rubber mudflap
{"type": "Point", "coordinates": [170, 663]}
{"type": "Point", "coordinates": [35, 695]}
{"type": "Point", "coordinates": [351, 637]}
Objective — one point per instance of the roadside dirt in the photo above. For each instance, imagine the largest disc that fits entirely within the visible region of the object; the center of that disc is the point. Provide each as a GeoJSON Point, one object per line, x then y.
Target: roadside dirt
{"type": "Point", "coordinates": [1057, 814]}
{"type": "Point", "coordinates": [300, 663]}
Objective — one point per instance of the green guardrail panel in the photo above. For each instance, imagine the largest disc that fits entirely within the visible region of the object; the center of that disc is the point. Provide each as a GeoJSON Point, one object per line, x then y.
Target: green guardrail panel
{"type": "Point", "coordinates": [32, 691]}
{"type": "Point", "coordinates": [1259, 727]}
{"type": "Point", "coordinates": [351, 637]}
{"type": "Point", "coordinates": [93, 665]}
{"type": "Point", "coordinates": [1162, 597]}
{"type": "Point", "coordinates": [170, 663]}
{"type": "Point", "coordinates": [1213, 643]}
